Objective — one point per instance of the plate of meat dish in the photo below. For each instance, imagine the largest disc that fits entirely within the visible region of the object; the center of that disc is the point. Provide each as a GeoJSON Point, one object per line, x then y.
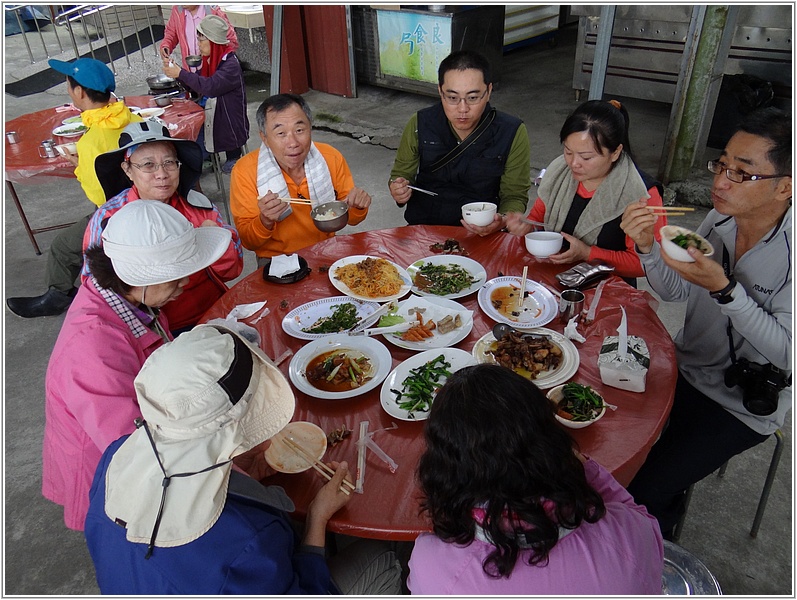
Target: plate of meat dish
{"type": "Point", "coordinates": [499, 299]}
{"type": "Point", "coordinates": [340, 366]}
{"type": "Point", "coordinates": [542, 355]}
{"type": "Point", "coordinates": [327, 316]}
{"type": "Point", "coordinates": [437, 323]}
{"type": "Point", "coordinates": [446, 276]}
{"type": "Point", "coordinates": [370, 278]}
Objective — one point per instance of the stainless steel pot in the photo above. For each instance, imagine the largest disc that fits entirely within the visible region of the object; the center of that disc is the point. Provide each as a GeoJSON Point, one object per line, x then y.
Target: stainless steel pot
{"type": "Point", "coordinates": [161, 82]}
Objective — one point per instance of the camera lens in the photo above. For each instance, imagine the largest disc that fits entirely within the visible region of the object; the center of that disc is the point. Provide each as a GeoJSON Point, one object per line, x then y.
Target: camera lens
{"type": "Point", "coordinates": [764, 402]}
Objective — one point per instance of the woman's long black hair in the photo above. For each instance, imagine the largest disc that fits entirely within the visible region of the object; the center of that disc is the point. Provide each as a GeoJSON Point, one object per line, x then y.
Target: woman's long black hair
{"type": "Point", "coordinates": [492, 441]}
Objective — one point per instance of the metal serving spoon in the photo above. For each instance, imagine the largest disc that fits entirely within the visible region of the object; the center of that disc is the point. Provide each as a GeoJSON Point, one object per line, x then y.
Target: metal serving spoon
{"type": "Point", "coordinates": [500, 330]}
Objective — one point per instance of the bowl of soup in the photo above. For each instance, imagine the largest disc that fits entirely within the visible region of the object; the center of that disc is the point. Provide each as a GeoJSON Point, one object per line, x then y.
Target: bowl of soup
{"type": "Point", "coordinates": [542, 244]}
{"type": "Point", "coordinates": [330, 216]}
{"type": "Point", "coordinates": [479, 213]}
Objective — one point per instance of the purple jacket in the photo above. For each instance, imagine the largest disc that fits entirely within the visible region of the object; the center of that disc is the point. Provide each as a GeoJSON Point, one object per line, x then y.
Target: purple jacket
{"type": "Point", "coordinates": [230, 122]}
{"type": "Point", "coordinates": [622, 554]}
{"type": "Point", "coordinates": [89, 396]}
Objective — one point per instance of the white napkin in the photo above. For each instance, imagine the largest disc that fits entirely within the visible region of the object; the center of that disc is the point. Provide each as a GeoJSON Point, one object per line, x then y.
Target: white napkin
{"type": "Point", "coordinates": [571, 332]}
{"type": "Point", "coordinates": [283, 265]}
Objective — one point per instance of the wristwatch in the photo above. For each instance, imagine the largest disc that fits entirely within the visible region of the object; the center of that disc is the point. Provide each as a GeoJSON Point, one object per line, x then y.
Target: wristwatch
{"type": "Point", "coordinates": [723, 296]}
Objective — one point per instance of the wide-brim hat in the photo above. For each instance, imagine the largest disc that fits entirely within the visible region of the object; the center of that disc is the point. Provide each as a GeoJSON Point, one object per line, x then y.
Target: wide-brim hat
{"type": "Point", "coordinates": [108, 165]}
{"type": "Point", "coordinates": [214, 28]}
{"type": "Point", "coordinates": [150, 242]}
{"type": "Point", "coordinates": [206, 397]}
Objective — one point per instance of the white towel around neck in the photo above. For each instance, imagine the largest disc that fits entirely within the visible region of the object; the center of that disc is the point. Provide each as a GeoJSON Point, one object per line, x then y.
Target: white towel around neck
{"type": "Point", "coordinates": [319, 179]}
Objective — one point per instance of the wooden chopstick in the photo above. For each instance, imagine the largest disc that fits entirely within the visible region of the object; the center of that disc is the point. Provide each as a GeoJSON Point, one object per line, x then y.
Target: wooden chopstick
{"type": "Point", "coordinates": [668, 209]}
{"type": "Point", "coordinates": [296, 201]}
{"type": "Point", "coordinates": [523, 287]}
{"type": "Point", "coordinates": [316, 464]}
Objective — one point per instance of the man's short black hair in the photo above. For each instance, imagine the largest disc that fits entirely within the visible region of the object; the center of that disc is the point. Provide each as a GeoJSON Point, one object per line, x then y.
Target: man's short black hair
{"type": "Point", "coordinates": [94, 95]}
{"type": "Point", "coordinates": [465, 59]}
{"type": "Point", "coordinates": [774, 125]}
{"type": "Point", "coordinates": [278, 103]}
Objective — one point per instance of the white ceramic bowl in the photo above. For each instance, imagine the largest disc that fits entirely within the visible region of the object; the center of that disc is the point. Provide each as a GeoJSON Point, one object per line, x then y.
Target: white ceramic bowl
{"type": "Point", "coordinates": [543, 243]}
{"type": "Point", "coordinates": [479, 213]}
{"type": "Point", "coordinates": [673, 250]}
{"type": "Point", "coordinates": [555, 396]}
{"type": "Point", "coordinates": [67, 149]}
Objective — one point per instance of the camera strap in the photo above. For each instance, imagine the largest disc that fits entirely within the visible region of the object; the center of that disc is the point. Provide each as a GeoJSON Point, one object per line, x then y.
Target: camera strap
{"type": "Point", "coordinates": [726, 266]}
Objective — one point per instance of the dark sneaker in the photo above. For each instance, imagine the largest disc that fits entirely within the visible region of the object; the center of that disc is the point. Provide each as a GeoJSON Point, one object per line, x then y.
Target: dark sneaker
{"type": "Point", "coordinates": [51, 303]}
{"type": "Point", "coordinates": [227, 167]}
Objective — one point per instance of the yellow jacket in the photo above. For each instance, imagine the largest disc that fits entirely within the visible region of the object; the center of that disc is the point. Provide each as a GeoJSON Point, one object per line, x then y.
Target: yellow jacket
{"type": "Point", "coordinates": [105, 125]}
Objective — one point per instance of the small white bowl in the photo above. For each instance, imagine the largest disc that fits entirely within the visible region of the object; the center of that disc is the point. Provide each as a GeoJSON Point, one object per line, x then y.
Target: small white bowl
{"type": "Point", "coordinates": [555, 396]}
{"type": "Point", "coordinates": [67, 149]}
{"type": "Point", "coordinates": [479, 213]}
{"type": "Point", "coordinates": [673, 250]}
{"type": "Point", "coordinates": [543, 243]}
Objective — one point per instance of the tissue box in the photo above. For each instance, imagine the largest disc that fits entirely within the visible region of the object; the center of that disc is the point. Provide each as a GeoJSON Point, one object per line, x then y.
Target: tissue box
{"type": "Point", "coordinates": [626, 373]}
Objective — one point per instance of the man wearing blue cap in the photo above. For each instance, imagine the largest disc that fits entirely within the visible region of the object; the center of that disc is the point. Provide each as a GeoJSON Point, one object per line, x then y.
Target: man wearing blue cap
{"type": "Point", "coordinates": [89, 84]}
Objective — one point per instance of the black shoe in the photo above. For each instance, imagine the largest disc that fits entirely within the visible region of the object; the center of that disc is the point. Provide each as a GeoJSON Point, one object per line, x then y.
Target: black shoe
{"type": "Point", "coordinates": [51, 303]}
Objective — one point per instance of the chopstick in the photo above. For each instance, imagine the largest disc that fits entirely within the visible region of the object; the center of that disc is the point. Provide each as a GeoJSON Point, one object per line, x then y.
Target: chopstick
{"type": "Point", "coordinates": [297, 201]}
{"type": "Point", "coordinates": [671, 209]}
{"type": "Point", "coordinates": [537, 223]}
{"type": "Point", "coordinates": [423, 191]}
{"type": "Point", "coordinates": [523, 287]}
{"type": "Point", "coordinates": [316, 464]}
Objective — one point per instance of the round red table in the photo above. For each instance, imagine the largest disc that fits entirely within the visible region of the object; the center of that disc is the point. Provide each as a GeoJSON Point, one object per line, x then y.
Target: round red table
{"type": "Point", "coordinates": [388, 508]}
{"type": "Point", "coordinates": [23, 164]}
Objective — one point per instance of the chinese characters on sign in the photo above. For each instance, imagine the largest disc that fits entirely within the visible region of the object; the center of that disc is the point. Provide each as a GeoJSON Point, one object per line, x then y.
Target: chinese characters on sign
{"type": "Point", "coordinates": [411, 45]}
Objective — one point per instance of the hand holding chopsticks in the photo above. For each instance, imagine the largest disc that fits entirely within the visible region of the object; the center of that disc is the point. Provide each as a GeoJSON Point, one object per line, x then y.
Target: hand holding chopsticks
{"type": "Point", "coordinates": [319, 466]}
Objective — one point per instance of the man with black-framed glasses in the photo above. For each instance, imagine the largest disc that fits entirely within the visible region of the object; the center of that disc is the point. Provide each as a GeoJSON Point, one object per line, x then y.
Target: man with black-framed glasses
{"type": "Point", "coordinates": [462, 150]}
{"type": "Point", "coordinates": [734, 350]}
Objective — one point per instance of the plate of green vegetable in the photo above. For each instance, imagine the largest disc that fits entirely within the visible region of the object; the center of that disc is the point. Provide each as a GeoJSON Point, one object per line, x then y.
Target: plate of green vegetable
{"type": "Point", "coordinates": [326, 316]}
{"type": "Point", "coordinates": [577, 405]}
{"type": "Point", "coordinates": [447, 276]}
{"type": "Point", "coordinates": [409, 390]}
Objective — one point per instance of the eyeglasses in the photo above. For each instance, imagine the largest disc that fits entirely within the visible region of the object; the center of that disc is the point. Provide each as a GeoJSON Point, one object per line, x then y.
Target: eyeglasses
{"type": "Point", "coordinates": [470, 99]}
{"type": "Point", "coordinates": [150, 167]}
{"type": "Point", "coordinates": [717, 167]}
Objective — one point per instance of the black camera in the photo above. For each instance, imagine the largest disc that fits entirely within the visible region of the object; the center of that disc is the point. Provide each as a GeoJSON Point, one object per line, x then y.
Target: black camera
{"type": "Point", "coordinates": [760, 385]}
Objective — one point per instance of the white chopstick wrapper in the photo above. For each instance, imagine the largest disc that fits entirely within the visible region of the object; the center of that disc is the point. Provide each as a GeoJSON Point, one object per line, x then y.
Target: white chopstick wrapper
{"type": "Point", "coordinates": [358, 486]}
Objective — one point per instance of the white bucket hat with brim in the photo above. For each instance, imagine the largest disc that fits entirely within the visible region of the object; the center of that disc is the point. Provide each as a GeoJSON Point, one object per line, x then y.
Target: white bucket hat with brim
{"type": "Point", "coordinates": [150, 242]}
{"type": "Point", "coordinates": [108, 165]}
{"type": "Point", "coordinates": [214, 28]}
{"type": "Point", "coordinates": [206, 397]}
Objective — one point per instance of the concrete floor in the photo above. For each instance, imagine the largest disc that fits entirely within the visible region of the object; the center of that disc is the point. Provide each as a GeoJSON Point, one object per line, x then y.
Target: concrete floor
{"type": "Point", "coordinates": [42, 557]}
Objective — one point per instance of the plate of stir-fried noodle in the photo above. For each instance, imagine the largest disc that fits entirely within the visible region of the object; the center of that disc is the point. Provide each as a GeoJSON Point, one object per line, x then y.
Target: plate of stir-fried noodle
{"type": "Point", "coordinates": [370, 278]}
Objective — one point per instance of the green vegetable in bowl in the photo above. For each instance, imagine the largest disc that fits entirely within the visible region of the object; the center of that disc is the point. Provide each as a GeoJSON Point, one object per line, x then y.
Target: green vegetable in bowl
{"type": "Point", "coordinates": [579, 402]}
{"type": "Point", "coordinates": [688, 240]}
{"type": "Point", "coordinates": [342, 318]}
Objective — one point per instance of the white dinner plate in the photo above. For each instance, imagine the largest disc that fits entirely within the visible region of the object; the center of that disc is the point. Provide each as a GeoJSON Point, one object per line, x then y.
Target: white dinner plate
{"type": "Point", "coordinates": [376, 351]}
{"type": "Point", "coordinates": [72, 120]}
{"type": "Point", "coordinates": [308, 436]}
{"type": "Point", "coordinates": [71, 130]}
{"type": "Point", "coordinates": [343, 288]}
{"type": "Point", "coordinates": [546, 379]}
{"type": "Point", "coordinates": [475, 269]}
{"type": "Point", "coordinates": [458, 359]}
{"type": "Point", "coordinates": [305, 316]}
{"type": "Point", "coordinates": [539, 306]}
{"type": "Point", "coordinates": [148, 113]}
{"type": "Point", "coordinates": [436, 309]}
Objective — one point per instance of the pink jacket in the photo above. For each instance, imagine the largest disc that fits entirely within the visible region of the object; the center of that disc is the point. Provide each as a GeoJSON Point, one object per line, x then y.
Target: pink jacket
{"type": "Point", "coordinates": [175, 31]}
{"type": "Point", "coordinates": [90, 400]}
{"type": "Point", "coordinates": [622, 554]}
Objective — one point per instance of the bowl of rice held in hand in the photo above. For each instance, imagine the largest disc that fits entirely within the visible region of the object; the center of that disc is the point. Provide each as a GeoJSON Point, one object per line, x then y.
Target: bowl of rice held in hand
{"type": "Point", "coordinates": [330, 216]}
{"type": "Point", "coordinates": [675, 241]}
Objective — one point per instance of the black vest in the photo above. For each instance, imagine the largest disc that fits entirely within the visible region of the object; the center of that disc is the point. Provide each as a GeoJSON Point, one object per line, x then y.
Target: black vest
{"type": "Point", "coordinates": [474, 176]}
